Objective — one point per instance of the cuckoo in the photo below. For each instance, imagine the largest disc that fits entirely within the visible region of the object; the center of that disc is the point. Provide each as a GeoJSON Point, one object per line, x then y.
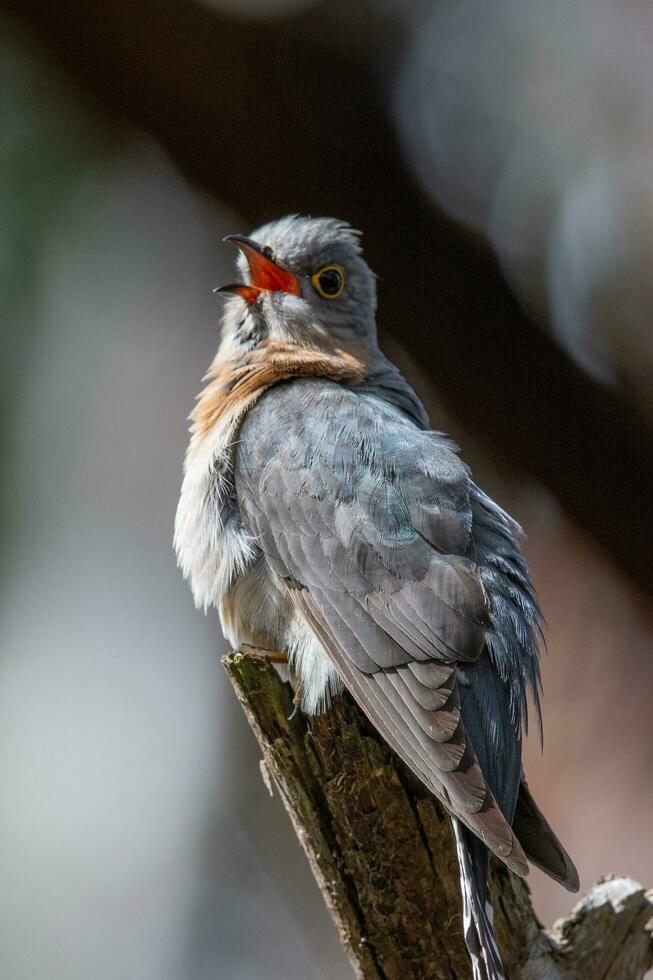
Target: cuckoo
{"type": "Point", "coordinates": [325, 519]}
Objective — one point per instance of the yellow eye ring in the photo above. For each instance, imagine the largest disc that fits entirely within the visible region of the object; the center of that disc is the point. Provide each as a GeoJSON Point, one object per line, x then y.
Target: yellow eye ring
{"type": "Point", "coordinates": [329, 281]}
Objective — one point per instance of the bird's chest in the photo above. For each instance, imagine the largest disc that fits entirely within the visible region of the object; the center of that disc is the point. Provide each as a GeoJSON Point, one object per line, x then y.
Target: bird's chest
{"type": "Point", "coordinates": [213, 548]}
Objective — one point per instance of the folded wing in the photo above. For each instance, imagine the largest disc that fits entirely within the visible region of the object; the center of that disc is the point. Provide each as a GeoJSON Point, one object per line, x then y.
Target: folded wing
{"type": "Point", "coordinates": [370, 520]}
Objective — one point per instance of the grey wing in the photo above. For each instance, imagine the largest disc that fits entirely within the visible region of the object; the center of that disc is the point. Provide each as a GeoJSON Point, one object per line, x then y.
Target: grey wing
{"type": "Point", "coordinates": [371, 518]}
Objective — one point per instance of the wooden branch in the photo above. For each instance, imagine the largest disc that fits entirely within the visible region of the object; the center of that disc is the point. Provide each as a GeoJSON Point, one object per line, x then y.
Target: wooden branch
{"type": "Point", "coordinates": [292, 115]}
{"type": "Point", "coordinates": [382, 852]}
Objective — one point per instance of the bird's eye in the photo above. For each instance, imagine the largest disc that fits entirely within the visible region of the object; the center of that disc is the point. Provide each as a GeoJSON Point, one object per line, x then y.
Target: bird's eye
{"type": "Point", "coordinates": [329, 282]}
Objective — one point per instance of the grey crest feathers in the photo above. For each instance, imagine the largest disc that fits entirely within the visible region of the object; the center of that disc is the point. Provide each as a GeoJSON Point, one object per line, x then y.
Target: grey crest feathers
{"type": "Point", "coordinates": [305, 243]}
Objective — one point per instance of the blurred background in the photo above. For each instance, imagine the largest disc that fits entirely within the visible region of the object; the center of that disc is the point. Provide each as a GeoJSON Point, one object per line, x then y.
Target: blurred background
{"type": "Point", "coordinates": [499, 158]}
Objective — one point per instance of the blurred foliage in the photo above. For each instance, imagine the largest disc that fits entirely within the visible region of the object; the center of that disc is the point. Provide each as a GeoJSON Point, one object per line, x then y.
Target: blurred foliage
{"type": "Point", "coordinates": [48, 139]}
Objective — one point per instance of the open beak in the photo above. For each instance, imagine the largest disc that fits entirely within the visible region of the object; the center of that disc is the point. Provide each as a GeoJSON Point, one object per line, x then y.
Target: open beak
{"type": "Point", "coordinates": [265, 274]}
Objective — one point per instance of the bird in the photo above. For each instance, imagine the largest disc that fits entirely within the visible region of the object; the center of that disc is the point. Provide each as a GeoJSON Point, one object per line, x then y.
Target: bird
{"type": "Point", "coordinates": [330, 524]}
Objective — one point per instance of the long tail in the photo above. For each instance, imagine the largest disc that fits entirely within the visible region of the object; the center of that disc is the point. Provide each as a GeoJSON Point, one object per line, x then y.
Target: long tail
{"type": "Point", "coordinates": [477, 909]}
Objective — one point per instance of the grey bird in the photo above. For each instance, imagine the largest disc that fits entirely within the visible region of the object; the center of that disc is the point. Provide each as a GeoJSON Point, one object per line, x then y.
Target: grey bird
{"type": "Point", "coordinates": [324, 518]}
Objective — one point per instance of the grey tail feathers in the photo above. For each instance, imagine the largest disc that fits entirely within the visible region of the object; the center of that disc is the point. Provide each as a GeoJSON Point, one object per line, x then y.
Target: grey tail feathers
{"type": "Point", "coordinates": [477, 909]}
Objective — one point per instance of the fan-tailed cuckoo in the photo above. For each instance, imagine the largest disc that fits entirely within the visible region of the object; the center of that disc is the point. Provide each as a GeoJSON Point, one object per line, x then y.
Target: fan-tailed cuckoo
{"type": "Point", "coordinates": [323, 516]}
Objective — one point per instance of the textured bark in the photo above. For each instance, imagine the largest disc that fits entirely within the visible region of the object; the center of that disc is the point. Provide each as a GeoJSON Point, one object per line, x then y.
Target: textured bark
{"type": "Point", "coordinates": [382, 852]}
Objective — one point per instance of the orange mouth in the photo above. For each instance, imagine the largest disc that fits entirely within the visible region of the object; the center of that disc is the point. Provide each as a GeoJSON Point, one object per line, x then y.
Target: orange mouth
{"type": "Point", "coordinates": [266, 275]}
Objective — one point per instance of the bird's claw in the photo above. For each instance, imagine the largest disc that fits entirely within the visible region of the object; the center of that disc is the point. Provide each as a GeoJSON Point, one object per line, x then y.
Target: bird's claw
{"type": "Point", "coordinates": [272, 656]}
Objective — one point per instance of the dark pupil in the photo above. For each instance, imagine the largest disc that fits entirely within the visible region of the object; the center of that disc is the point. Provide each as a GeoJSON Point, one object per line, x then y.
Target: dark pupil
{"type": "Point", "coordinates": [330, 282]}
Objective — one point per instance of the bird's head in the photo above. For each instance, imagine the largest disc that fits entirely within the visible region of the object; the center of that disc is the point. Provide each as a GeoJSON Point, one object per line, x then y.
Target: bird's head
{"type": "Point", "coordinates": [304, 281]}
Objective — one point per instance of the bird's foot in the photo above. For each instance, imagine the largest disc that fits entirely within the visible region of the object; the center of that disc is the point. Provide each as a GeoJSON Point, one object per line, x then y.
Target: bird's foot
{"type": "Point", "coordinates": [297, 699]}
{"type": "Point", "coordinates": [272, 656]}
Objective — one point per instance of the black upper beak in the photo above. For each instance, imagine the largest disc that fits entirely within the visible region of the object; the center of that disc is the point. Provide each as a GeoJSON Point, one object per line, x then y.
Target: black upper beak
{"type": "Point", "coordinates": [245, 243]}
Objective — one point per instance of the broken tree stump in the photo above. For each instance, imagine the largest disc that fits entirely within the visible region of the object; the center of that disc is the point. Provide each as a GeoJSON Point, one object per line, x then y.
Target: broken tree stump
{"type": "Point", "coordinates": [382, 852]}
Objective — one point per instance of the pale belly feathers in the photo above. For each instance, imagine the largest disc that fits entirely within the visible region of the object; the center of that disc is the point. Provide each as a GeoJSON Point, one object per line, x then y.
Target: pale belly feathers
{"type": "Point", "coordinates": [227, 570]}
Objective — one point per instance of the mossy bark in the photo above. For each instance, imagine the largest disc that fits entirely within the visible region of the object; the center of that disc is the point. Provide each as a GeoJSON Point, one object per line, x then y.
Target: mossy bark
{"type": "Point", "coordinates": [383, 855]}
